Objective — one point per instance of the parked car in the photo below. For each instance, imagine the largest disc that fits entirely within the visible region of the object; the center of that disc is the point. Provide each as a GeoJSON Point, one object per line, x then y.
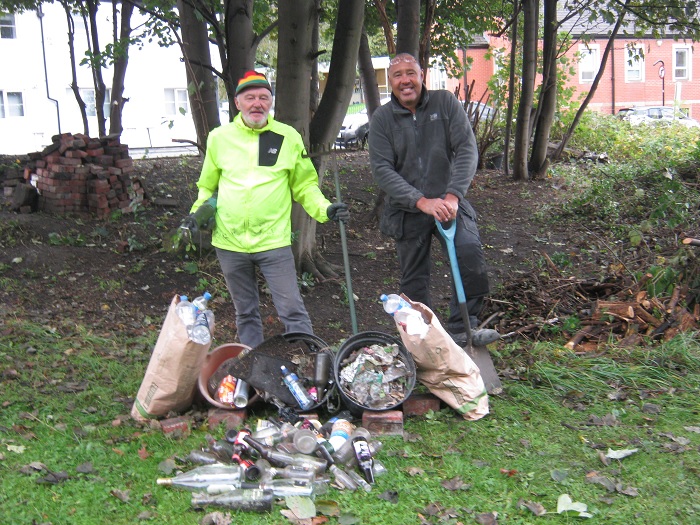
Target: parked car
{"type": "Point", "coordinates": [624, 113]}
{"type": "Point", "coordinates": [660, 115]}
{"type": "Point", "coordinates": [355, 129]}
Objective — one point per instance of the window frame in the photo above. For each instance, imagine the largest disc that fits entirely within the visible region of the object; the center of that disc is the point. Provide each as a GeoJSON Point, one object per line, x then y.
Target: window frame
{"type": "Point", "coordinates": [438, 75]}
{"type": "Point", "coordinates": [8, 25]}
{"type": "Point", "coordinates": [11, 108]}
{"type": "Point", "coordinates": [638, 63]}
{"type": "Point", "coordinates": [585, 51]}
{"type": "Point", "coordinates": [689, 62]}
{"type": "Point", "coordinates": [176, 103]}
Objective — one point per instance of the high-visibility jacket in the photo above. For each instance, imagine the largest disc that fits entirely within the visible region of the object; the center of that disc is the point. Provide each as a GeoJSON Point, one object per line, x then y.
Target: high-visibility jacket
{"type": "Point", "coordinates": [257, 173]}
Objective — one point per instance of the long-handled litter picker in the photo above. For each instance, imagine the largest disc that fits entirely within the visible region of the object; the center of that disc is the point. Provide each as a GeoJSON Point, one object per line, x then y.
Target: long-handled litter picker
{"type": "Point", "coordinates": [344, 244]}
{"type": "Point", "coordinates": [479, 354]}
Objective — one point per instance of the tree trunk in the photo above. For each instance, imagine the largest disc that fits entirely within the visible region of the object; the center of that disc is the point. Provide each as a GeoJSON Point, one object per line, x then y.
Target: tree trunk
{"type": "Point", "coordinates": [96, 67]}
{"type": "Point", "coordinates": [604, 60]}
{"type": "Point", "coordinates": [368, 76]}
{"type": "Point", "coordinates": [121, 60]}
{"type": "Point", "coordinates": [74, 82]}
{"type": "Point", "coordinates": [425, 39]}
{"type": "Point", "coordinates": [240, 51]}
{"type": "Point", "coordinates": [294, 58]}
{"type": "Point", "coordinates": [547, 106]}
{"type": "Point", "coordinates": [527, 91]}
{"type": "Point", "coordinates": [511, 88]}
{"type": "Point", "coordinates": [341, 76]}
{"type": "Point", "coordinates": [387, 26]}
{"type": "Point", "coordinates": [408, 27]}
{"type": "Point", "coordinates": [201, 84]}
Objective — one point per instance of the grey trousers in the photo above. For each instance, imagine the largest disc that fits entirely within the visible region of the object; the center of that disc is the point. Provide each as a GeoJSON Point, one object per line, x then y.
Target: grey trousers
{"type": "Point", "coordinates": [415, 262]}
{"type": "Point", "coordinates": [278, 268]}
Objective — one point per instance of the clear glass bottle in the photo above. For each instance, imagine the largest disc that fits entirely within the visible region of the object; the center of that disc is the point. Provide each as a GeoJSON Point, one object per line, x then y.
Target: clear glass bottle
{"type": "Point", "coordinates": [203, 476]}
{"type": "Point", "coordinates": [251, 500]}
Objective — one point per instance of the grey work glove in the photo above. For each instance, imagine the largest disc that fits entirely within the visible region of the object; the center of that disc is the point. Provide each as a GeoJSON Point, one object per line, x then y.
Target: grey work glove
{"type": "Point", "coordinates": [338, 212]}
{"type": "Point", "coordinates": [190, 223]}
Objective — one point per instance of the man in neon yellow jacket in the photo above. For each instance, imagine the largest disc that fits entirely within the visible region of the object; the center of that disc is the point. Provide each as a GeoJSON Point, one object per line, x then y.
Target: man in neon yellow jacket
{"type": "Point", "coordinates": [257, 166]}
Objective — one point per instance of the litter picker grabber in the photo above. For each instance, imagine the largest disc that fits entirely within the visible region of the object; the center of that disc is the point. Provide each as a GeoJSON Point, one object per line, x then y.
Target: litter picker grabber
{"type": "Point", "coordinates": [479, 354]}
{"type": "Point", "coordinates": [319, 151]}
{"type": "Point", "coordinates": [344, 244]}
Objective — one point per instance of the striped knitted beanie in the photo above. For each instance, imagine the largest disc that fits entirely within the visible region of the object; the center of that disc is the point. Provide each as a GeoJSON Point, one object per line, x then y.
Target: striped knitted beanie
{"type": "Point", "coordinates": [252, 79]}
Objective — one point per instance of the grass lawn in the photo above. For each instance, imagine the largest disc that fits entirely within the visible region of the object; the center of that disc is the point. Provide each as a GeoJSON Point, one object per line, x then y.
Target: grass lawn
{"type": "Point", "coordinates": [70, 455]}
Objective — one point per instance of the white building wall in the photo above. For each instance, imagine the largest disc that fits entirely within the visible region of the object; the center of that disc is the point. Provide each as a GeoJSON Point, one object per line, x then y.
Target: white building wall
{"type": "Point", "coordinates": [150, 71]}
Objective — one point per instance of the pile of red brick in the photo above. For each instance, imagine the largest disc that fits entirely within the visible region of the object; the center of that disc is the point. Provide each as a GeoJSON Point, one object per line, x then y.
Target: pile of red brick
{"type": "Point", "coordinates": [80, 175]}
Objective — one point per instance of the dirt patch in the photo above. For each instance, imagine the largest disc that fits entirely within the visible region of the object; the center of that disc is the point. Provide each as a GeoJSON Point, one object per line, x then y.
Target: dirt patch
{"type": "Point", "coordinates": [113, 275]}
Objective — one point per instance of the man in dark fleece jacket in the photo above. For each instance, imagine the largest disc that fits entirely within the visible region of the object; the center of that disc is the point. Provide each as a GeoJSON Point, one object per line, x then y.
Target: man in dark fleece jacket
{"type": "Point", "coordinates": [423, 155]}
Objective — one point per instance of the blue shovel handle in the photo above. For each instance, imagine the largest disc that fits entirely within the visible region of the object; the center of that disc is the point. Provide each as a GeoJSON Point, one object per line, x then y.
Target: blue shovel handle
{"type": "Point", "coordinates": [449, 235]}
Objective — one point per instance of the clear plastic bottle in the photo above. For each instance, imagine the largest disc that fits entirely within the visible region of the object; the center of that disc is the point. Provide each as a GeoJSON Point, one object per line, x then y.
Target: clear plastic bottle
{"type": "Point", "coordinates": [185, 311]}
{"type": "Point", "coordinates": [201, 302]}
{"type": "Point", "coordinates": [340, 432]}
{"type": "Point", "coordinates": [393, 303]}
{"type": "Point", "coordinates": [201, 477]}
{"type": "Point", "coordinates": [294, 385]}
{"type": "Point", "coordinates": [200, 332]}
{"type": "Point", "coordinates": [255, 500]}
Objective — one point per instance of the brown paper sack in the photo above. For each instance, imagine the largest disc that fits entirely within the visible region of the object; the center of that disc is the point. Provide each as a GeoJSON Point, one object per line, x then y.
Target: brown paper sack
{"type": "Point", "coordinates": [444, 368]}
{"type": "Point", "coordinates": [173, 371]}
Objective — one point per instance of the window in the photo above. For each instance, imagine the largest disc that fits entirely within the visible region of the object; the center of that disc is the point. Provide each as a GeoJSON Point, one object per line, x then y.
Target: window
{"type": "Point", "coordinates": [438, 77]}
{"type": "Point", "coordinates": [634, 65]}
{"type": "Point", "coordinates": [589, 61]}
{"type": "Point", "coordinates": [7, 26]}
{"type": "Point", "coordinates": [11, 104]}
{"type": "Point", "coordinates": [88, 96]}
{"type": "Point", "coordinates": [176, 102]}
{"type": "Point", "coordinates": [681, 62]}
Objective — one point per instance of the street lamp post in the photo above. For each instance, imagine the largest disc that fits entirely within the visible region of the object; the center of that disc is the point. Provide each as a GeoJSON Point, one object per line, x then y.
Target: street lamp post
{"type": "Point", "coordinates": [662, 74]}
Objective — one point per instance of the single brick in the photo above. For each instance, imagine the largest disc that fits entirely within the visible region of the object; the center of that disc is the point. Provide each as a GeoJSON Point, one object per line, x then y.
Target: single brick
{"type": "Point", "coordinates": [388, 422]}
{"type": "Point", "coordinates": [176, 426]}
{"type": "Point", "coordinates": [420, 404]}
{"type": "Point", "coordinates": [231, 418]}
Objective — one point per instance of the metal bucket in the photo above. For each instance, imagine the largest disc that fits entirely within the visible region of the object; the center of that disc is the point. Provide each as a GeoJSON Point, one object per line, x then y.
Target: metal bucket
{"type": "Point", "coordinates": [366, 339]}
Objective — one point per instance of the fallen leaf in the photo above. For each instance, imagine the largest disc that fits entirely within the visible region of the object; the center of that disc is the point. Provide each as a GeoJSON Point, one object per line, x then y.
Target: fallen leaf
{"type": "Point", "coordinates": [143, 453]}
{"type": "Point", "coordinates": [487, 518]}
{"type": "Point", "coordinates": [122, 495]}
{"type": "Point", "coordinates": [303, 507]}
{"type": "Point", "coordinates": [167, 466]}
{"type": "Point", "coordinates": [117, 451]}
{"type": "Point", "coordinates": [620, 454]}
{"type": "Point", "coordinates": [533, 506]}
{"type": "Point", "coordinates": [593, 477]}
{"type": "Point", "coordinates": [559, 475]}
{"type": "Point", "coordinates": [17, 449]}
{"type": "Point", "coordinates": [456, 483]}
{"type": "Point", "coordinates": [85, 468]}
{"type": "Point", "coordinates": [433, 509]}
{"type": "Point", "coordinates": [52, 478]}
{"type": "Point", "coordinates": [217, 518]}
{"type": "Point", "coordinates": [414, 471]}
{"type": "Point", "coordinates": [348, 519]}
{"type": "Point", "coordinates": [390, 495]}
{"type": "Point", "coordinates": [509, 473]}
{"type": "Point", "coordinates": [328, 507]}
{"type": "Point", "coordinates": [17, 260]}
{"type": "Point", "coordinates": [293, 518]}
{"type": "Point", "coordinates": [145, 516]}
{"type": "Point", "coordinates": [627, 491]}
{"type": "Point", "coordinates": [565, 505]}
{"type": "Point", "coordinates": [604, 460]}
{"type": "Point", "coordinates": [692, 429]}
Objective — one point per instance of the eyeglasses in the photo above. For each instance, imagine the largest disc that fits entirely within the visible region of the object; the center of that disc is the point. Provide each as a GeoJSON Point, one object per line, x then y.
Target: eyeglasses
{"type": "Point", "coordinates": [399, 59]}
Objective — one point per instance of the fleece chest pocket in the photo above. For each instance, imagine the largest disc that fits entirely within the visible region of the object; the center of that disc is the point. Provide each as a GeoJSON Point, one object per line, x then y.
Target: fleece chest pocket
{"type": "Point", "coordinates": [270, 146]}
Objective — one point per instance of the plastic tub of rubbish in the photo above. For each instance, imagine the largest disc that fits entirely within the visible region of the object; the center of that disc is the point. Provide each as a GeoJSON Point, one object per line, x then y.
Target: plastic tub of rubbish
{"type": "Point", "coordinates": [374, 371]}
{"type": "Point", "coordinates": [300, 353]}
{"type": "Point", "coordinates": [212, 373]}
